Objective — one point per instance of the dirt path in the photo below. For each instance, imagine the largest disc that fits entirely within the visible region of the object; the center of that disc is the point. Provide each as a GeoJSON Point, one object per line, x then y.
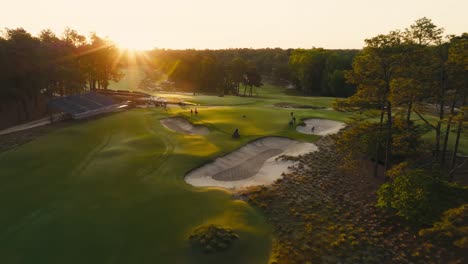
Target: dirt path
{"type": "Point", "coordinates": [33, 124]}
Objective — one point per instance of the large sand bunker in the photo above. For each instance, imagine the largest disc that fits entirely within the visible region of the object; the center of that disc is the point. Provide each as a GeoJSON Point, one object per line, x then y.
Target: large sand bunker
{"type": "Point", "coordinates": [320, 127]}
{"type": "Point", "coordinates": [182, 125]}
{"type": "Point", "coordinates": [253, 164]}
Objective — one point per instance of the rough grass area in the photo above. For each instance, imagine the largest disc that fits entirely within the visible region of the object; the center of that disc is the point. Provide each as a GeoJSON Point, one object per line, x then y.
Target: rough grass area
{"type": "Point", "coordinates": [322, 215]}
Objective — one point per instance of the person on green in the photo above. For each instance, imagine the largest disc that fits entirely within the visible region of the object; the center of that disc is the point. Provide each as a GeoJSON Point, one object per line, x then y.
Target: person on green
{"type": "Point", "coordinates": [236, 133]}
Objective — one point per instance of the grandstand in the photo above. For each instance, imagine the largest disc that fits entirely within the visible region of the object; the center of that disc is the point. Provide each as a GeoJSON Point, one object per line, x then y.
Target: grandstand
{"type": "Point", "coordinates": [84, 105]}
{"type": "Point", "coordinates": [123, 95]}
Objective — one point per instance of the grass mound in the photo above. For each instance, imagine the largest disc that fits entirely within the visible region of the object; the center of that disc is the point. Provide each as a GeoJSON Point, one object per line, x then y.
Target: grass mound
{"type": "Point", "coordinates": [212, 238]}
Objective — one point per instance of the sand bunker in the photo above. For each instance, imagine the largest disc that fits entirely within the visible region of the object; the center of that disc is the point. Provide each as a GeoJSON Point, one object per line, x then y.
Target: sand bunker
{"type": "Point", "coordinates": [253, 164]}
{"type": "Point", "coordinates": [321, 127]}
{"type": "Point", "coordinates": [296, 106]}
{"type": "Point", "coordinates": [182, 125]}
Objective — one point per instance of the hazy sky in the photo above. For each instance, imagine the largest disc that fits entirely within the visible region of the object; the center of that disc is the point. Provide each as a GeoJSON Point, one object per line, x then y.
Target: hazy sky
{"type": "Point", "coordinates": [230, 24]}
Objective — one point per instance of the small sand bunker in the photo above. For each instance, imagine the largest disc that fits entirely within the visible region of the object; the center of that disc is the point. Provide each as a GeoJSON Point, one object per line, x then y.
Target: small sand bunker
{"type": "Point", "coordinates": [182, 125]}
{"type": "Point", "coordinates": [320, 127]}
{"type": "Point", "coordinates": [253, 164]}
{"type": "Point", "coordinates": [296, 106]}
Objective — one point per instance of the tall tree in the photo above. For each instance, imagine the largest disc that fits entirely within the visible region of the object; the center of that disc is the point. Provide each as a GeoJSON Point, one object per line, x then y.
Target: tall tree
{"type": "Point", "coordinates": [458, 68]}
{"type": "Point", "coordinates": [252, 79]}
{"type": "Point", "coordinates": [238, 68]}
{"type": "Point", "coordinates": [374, 70]}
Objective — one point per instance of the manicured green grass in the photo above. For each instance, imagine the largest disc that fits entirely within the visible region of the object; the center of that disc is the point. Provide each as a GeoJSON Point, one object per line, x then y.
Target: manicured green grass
{"type": "Point", "coordinates": [462, 147]}
{"type": "Point", "coordinates": [228, 100]}
{"type": "Point", "coordinates": [111, 190]}
{"type": "Point", "coordinates": [266, 95]}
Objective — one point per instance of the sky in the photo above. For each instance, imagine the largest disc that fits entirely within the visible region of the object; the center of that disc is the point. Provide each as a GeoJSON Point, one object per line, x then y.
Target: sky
{"type": "Point", "coordinates": [214, 24]}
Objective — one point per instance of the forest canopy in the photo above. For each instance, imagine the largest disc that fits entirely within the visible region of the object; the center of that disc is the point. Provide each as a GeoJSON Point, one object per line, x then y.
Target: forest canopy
{"type": "Point", "coordinates": [311, 71]}
{"type": "Point", "coordinates": [50, 65]}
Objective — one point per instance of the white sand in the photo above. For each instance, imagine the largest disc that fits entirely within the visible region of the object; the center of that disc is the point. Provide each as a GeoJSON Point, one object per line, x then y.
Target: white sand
{"type": "Point", "coordinates": [251, 165]}
{"type": "Point", "coordinates": [322, 127]}
{"type": "Point", "coordinates": [182, 125]}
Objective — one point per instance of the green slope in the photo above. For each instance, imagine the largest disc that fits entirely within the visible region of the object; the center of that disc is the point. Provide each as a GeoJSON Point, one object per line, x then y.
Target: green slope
{"type": "Point", "coordinates": [111, 190]}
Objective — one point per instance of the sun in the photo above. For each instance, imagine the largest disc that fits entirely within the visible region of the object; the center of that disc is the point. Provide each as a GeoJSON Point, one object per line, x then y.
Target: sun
{"type": "Point", "coordinates": [133, 44]}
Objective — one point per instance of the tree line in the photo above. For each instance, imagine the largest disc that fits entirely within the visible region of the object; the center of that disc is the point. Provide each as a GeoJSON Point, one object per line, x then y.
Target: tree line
{"type": "Point", "coordinates": [312, 71]}
{"type": "Point", "coordinates": [410, 83]}
{"type": "Point", "coordinates": [412, 72]}
{"type": "Point", "coordinates": [322, 72]}
{"type": "Point", "coordinates": [218, 71]}
{"type": "Point", "coordinates": [32, 67]}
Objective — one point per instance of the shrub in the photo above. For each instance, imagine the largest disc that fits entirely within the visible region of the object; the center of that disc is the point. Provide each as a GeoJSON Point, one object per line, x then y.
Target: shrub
{"type": "Point", "coordinates": [212, 238]}
{"type": "Point", "coordinates": [357, 142]}
{"type": "Point", "coordinates": [452, 229]}
{"type": "Point", "coordinates": [418, 197]}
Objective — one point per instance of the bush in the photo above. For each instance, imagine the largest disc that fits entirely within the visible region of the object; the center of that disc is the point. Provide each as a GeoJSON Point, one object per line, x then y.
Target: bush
{"type": "Point", "coordinates": [452, 229]}
{"type": "Point", "coordinates": [407, 140]}
{"type": "Point", "coordinates": [212, 238]}
{"type": "Point", "coordinates": [359, 142]}
{"type": "Point", "coordinates": [419, 198]}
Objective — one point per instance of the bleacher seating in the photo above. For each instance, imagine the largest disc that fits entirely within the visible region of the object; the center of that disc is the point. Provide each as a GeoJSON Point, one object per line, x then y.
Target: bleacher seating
{"type": "Point", "coordinates": [84, 105]}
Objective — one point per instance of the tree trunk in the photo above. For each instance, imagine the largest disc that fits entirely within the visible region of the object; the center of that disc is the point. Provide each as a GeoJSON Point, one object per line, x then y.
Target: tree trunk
{"type": "Point", "coordinates": [377, 147]}
{"type": "Point", "coordinates": [441, 117]}
{"type": "Point", "coordinates": [457, 140]}
{"type": "Point", "coordinates": [25, 108]}
{"type": "Point", "coordinates": [36, 101]}
{"type": "Point", "coordinates": [388, 151]}
{"type": "Point", "coordinates": [437, 143]}
{"type": "Point", "coordinates": [408, 114]}
{"type": "Point", "coordinates": [447, 133]}
{"type": "Point", "coordinates": [18, 113]}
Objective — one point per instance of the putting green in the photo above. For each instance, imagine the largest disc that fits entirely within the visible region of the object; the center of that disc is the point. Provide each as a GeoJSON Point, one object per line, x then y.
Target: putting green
{"type": "Point", "coordinates": [111, 190]}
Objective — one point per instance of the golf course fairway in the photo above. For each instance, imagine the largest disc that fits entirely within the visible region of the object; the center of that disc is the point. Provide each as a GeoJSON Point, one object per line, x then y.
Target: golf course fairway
{"type": "Point", "coordinates": [112, 190]}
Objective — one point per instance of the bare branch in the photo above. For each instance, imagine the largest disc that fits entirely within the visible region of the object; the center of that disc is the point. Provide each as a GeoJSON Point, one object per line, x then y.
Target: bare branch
{"type": "Point", "coordinates": [423, 119]}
